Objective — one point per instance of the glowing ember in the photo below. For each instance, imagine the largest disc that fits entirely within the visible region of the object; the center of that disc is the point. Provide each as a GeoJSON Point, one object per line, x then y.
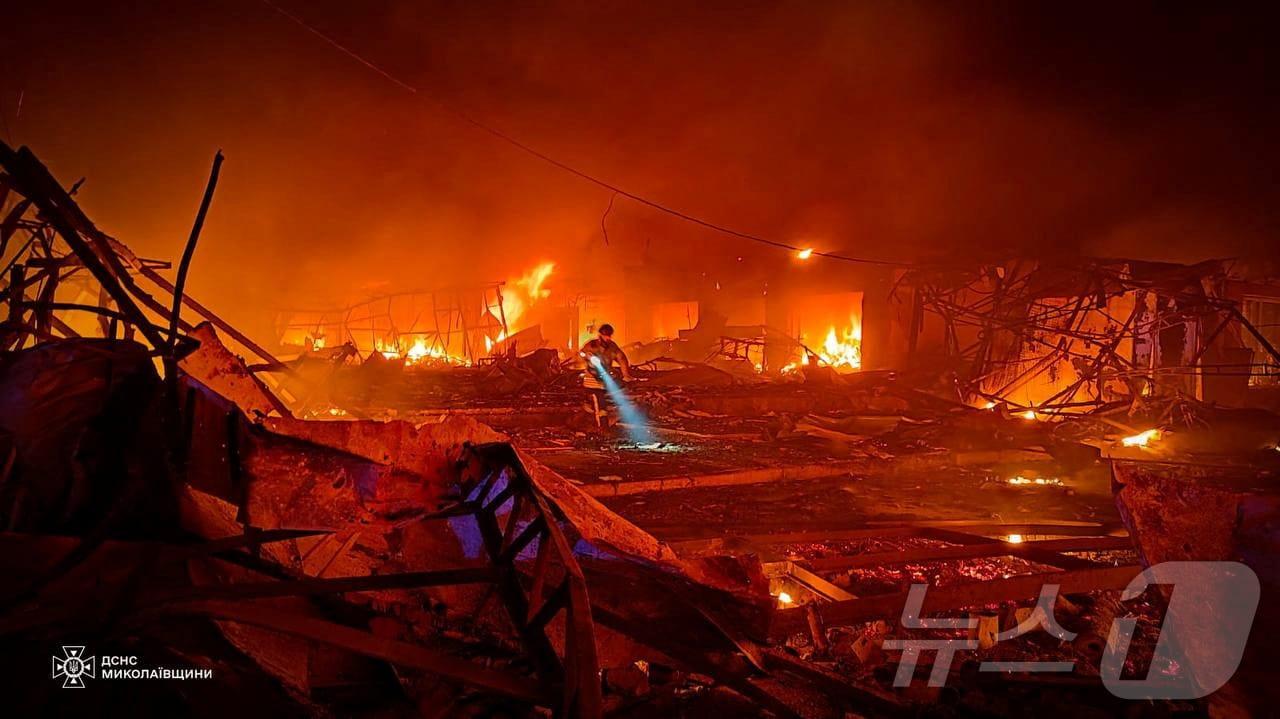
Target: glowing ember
{"type": "Point", "coordinates": [989, 405]}
{"type": "Point", "coordinates": [784, 598]}
{"type": "Point", "coordinates": [417, 354]}
{"type": "Point", "coordinates": [1029, 414]}
{"type": "Point", "coordinates": [805, 254]}
{"type": "Point", "coordinates": [417, 351]}
{"type": "Point", "coordinates": [841, 350]}
{"type": "Point", "coordinates": [533, 279]}
{"type": "Point", "coordinates": [1038, 481]}
{"type": "Point", "coordinates": [489, 343]}
{"type": "Point", "coordinates": [1142, 439]}
{"type": "Point", "coordinates": [844, 350]}
{"type": "Point", "coordinates": [527, 291]}
{"type": "Point", "coordinates": [1014, 539]}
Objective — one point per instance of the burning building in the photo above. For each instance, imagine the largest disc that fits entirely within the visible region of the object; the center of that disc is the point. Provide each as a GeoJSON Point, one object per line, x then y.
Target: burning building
{"type": "Point", "coordinates": [1050, 337]}
{"type": "Point", "coordinates": [344, 498]}
{"type": "Point", "coordinates": [485, 458]}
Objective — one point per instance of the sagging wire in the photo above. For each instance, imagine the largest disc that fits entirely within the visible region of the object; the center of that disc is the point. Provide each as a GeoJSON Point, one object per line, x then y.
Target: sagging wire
{"type": "Point", "coordinates": [604, 229]}
{"type": "Point", "coordinates": [518, 144]}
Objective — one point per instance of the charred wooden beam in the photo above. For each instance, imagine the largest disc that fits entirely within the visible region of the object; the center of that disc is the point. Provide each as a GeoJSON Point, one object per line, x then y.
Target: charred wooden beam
{"type": "Point", "coordinates": [889, 606]}
{"type": "Point", "coordinates": [966, 551]}
{"type": "Point", "coordinates": [866, 700]}
{"type": "Point", "coordinates": [579, 674]}
{"type": "Point", "coordinates": [394, 651]}
{"type": "Point", "coordinates": [34, 181]}
{"type": "Point", "coordinates": [1031, 551]}
{"type": "Point", "coordinates": [15, 328]}
{"type": "Point", "coordinates": [188, 252]}
{"type": "Point", "coordinates": [335, 585]}
{"type": "Point", "coordinates": [214, 319]}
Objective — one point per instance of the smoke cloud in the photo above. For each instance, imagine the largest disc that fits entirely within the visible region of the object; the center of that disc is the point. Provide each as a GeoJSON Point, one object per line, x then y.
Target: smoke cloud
{"type": "Point", "coordinates": [893, 130]}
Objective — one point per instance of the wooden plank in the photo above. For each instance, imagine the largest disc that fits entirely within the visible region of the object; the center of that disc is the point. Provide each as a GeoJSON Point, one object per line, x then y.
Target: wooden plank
{"type": "Point", "coordinates": [215, 320]}
{"type": "Point", "coordinates": [687, 537]}
{"type": "Point", "coordinates": [64, 215]}
{"type": "Point", "coordinates": [558, 600]}
{"type": "Point", "coordinates": [362, 642]}
{"type": "Point", "coordinates": [518, 544]}
{"type": "Point", "coordinates": [976, 524]}
{"type": "Point", "coordinates": [863, 697]}
{"type": "Point", "coordinates": [817, 584]}
{"type": "Point", "coordinates": [760, 475]}
{"type": "Point", "coordinates": [334, 585]}
{"type": "Point", "coordinates": [17, 298]}
{"type": "Point", "coordinates": [681, 546]}
{"type": "Point", "coordinates": [542, 653]}
{"type": "Point", "coordinates": [965, 551]}
{"type": "Point", "coordinates": [582, 690]}
{"type": "Point", "coordinates": [889, 606]}
{"type": "Point", "coordinates": [1023, 550]}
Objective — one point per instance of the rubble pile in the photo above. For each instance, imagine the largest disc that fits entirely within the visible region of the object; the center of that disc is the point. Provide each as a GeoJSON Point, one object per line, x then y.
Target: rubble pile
{"type": "Point", "coordinates": [355, 533]}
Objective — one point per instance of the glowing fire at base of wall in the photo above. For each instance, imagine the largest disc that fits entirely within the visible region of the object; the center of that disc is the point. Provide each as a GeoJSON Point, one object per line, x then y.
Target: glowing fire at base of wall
{"type": "Point", "coordinates": [844, 351]}
{"type": "Point", "coordinates": [1142, 439]}
{"type": "Point", "coordinates": [419, 354]}
{"type": "Point", "coordinates": [841, 349]}
{"type": "Point", "coordinates": [525, 291]}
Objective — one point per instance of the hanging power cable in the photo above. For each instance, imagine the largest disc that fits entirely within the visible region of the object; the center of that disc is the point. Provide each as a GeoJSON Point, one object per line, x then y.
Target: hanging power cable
{"type": "Point", "coordinates": [562, 165]}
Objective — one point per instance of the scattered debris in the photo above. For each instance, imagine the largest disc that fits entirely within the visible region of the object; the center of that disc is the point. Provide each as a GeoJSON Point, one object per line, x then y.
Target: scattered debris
{"type": "Point", "coordinates": [417, 522]}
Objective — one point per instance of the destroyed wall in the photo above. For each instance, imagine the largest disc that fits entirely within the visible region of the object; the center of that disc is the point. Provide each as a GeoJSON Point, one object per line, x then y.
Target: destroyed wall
{"type": "Point", "coordinates": [1074, 335]}
{"type": "Point", "coordinates": [348, 526]}
{"type": "Point", "coordinates": [1259, 298]}
{"type": "Point", "coordinates": [457, 323]}
{"type": "Point", "coordinates": [1031, 368]}
{"type": "Point", "coordinates": [775, 308]}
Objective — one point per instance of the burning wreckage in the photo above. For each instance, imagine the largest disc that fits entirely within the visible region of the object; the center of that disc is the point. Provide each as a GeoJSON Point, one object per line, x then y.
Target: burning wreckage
{"type": "Point", "coordinates": [435, 518]}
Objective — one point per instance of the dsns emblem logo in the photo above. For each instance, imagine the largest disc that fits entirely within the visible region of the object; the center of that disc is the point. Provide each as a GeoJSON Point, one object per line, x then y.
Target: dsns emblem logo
{"type": "Point", "coordinates": [73, 666]}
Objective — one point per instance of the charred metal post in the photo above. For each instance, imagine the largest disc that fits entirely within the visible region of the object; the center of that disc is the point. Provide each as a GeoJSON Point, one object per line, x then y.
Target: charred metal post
{"type": "Point", "coordinates": [532, 519]}
{"type": "Point", "coordinates": [189, 251]}
{"type": "Point", "coordinates": [17, 284]}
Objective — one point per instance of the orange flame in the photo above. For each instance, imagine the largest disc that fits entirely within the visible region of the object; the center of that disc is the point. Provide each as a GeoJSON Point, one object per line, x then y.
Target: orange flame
{"type": "Point", "coordinates": [417, 354]}
{"type": "Point", "coordinates": [1142, 439]}
{"type": "Point", "coordinates": [1039, 481]}
{"type": "Point", "coordinates": [843, 350]}
{"type": "Point", "coordinates": [526, 291]}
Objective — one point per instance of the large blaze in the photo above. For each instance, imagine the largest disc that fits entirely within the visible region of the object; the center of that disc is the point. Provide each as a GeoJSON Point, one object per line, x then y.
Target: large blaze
{"type": "Point", "coordinates": [877, 360]}
{"type": "Point", "coordinates": [842, 349]}
{"type": "Point", "coordinates": [827, 327]}
{"type": "Point", "coordinates": [415, 352]}
{"type": "Point", "coordinates": [524, 292]}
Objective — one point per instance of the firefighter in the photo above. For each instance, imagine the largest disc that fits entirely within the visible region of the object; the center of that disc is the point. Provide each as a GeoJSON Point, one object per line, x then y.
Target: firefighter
{"type": "Point", "coordinates": [609, 354]}
{"type": "Point", "coordinates": [601, 355]}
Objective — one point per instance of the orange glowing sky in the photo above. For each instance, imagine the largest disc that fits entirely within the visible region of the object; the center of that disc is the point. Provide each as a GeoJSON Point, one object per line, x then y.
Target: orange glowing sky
{"type": "Point", "coordinates": [882, 129]}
